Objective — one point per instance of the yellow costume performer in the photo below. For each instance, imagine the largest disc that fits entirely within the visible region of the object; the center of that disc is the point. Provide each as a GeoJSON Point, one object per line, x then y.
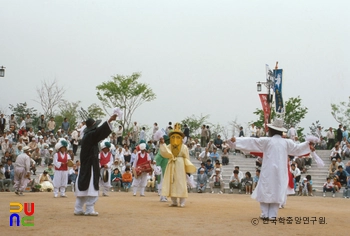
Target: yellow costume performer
{"type": "Point", "coordinates": [179, 164]}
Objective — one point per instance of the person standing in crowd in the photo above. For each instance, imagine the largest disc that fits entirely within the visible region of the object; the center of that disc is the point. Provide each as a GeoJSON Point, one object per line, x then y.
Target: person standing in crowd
{"type": "Point", "coordinates": [42, 123]}
{"type": "Point", "coordinates": [87, 182]}
{"type": "Point", "coordinates": [2, 123]}
{"type": "Point", "coordinates": [204, 135]}
{"type": "Point", "coordinates": [75, 141]}
{"type": "Point", "coordinates": [65, 125]}
{"type": "Point", "coordinates": [186, 133]}
{"type": "Point", "coordinates": [29, 122]}
{"type": "Point", "coordinates": [340, 133]}
{"type": "Point", "coordinates": [330, 138]}
{"type": "Point", "coordinates": [241, 133]}
{"type": "Point", "coordinates": [51, 125]}
{"type": "Point", "coordinates": [22, 171]}
{"type": "Point", "coordinates": [119, 134]}
{"type": "Point", "coordinates": [273, 182]}
{"type": "Point", "coordinates": [135, 134]}
{"type": "Point", "coordinates": [60, 161]}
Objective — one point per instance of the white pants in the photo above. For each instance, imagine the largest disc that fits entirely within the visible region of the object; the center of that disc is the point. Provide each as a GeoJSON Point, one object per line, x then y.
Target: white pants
{"type": "Point", "coordinates": [20, 179]}
{"type": "Point", "coordinates": [88, 201]}
{"type": "Point", "coordinates": [269, 210]}
{"type": "Point", "coordinates": [60, 182]}
{"type": "Point", "coordinates": [140, 183]}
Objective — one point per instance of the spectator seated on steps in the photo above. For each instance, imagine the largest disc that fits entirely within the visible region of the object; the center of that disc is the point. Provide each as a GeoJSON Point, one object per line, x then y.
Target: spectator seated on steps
{"type": "Point", "coordinates": [202, 166]}
{"type": "Point", "coordinates": [235, 181]}
{"type": "Point", "coordinates": [333, 167]}
{"type": "Point", "coordinates": [247, 183]}
{"type": "Point", "coordinates": [4, 182]}
{"type": "Point", "coordinates": [346, 192]}
{"type": "Point", "coordinates": [336, 184]}
{"type": "Point", "coordinates": [342, 175]}
{"type": "Point", "coordinates": [217, 181]}
{"type": "Point", "coordinates": [224, 157]}
{"type": "Point", "coordinates": [210, 168]}
{"type": "Point", "coordinates": [201, 180]}
{"type": "Point", "coordinates": [308, 162]}
{"type": "Point", "coordinates": [328, 187]}
{"type": "Point", "coordinates": [305, 188]}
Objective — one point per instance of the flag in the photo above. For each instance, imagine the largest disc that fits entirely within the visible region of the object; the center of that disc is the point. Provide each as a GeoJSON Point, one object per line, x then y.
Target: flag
{"type": "Point", "coordinates": [278, 90]}
{"type": "Point", "coordinates": [266, 108]}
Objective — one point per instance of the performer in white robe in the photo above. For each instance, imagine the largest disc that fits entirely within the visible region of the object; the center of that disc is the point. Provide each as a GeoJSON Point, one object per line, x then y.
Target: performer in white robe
{"type": "Point", "coordinates": [60, 160]}
{"type": "Point", "coordinates": [106, 161]}
{"type": "Point", "coordinates": [140, 182]}
{"type": "Point", "coordinates": [273, 181]}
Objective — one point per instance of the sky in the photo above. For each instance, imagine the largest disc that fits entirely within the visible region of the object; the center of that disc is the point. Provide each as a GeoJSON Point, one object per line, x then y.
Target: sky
{"type": "Point", "coordinates": [199, 57]}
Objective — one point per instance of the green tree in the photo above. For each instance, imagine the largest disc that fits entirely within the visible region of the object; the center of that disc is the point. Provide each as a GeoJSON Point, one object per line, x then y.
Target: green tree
{"type": "Point", "coordinates": [341, 112]}
{"type": "Point", "coordinates": [21, 110]}
{"type": "Point", "coordinates": [126, 93]}
{"type": "Point", "coordinates": [194, 123]}
{"type": "Point", "coordinates": [68, 110]}
{"type": "Point", "coordinates": [294, 113]}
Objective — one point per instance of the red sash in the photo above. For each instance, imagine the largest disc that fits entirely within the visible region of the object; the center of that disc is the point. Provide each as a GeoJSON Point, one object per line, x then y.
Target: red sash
{"type": "Point", "coordinates": [105, 160]}
{"type": "Point", "coordinates": [63, 161]}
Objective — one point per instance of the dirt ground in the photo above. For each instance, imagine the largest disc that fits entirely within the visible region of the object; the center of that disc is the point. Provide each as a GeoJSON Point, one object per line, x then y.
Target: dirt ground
{"type": "Point", "coordinates": [204, 214]}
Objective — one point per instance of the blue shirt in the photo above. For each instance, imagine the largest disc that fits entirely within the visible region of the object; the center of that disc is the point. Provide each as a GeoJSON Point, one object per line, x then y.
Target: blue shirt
{"type": "Point", "coordinates": [209, 167]}
{"type": "Point", "coordinates": [255, 179]}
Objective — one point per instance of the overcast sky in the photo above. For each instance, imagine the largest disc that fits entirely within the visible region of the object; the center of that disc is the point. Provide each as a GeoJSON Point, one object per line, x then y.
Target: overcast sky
{"type": "Point", "coordinates": [199, 57]}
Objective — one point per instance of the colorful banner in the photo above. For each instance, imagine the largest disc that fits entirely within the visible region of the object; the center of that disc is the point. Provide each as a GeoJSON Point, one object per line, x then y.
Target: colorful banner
{"type": "Point", "coordinates": [265, 107]}
{"type": "Point", "coordinates": [278, 90]}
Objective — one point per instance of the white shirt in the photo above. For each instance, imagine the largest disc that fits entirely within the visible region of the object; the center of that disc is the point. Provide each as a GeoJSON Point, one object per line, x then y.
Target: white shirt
{"type": "Point", "coordinates": [23, 160]}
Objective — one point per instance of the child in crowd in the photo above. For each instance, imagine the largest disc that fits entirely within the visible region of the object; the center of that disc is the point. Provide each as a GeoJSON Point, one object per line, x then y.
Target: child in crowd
{"type": "Point", "coordinates": [247, 183]}
{"type": "Point", "coordinates": [256, 178]}
{"type": "Point", "coordinates": [328, 187]}
{"type": "Point", "coordinates": [116, 178]}
{"type": "Point", "coordinates": [127, 179]}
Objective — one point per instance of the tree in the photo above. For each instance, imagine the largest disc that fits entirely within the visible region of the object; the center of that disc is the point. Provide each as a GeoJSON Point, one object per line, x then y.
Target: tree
{"type": "Point", "coordinates": [341, 113]}
{"type": "Point", "coordinates": [21, 110]}
{"type": "Point", "coordinates": [294, 113]}
{"type": "Point", "coordinates": [195, 123]}
{"type": "Point", "coordinates": [68, 110]}
{"type": "Point", "coordinates": [126, 93]}
{"type": "Point", "coordinates": [314, 126]}
{"type": "Point", "coordinates": [50, 96]}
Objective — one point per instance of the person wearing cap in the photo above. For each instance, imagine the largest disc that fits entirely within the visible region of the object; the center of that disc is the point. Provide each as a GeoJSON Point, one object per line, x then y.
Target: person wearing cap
{"type": "Point", "coordinates": [201, 180]}
{"type": "Point", "coordinates": [106, 161]}
{"type": "Point", "coordinates": [274, 184]}
{"type": "Point", "coordinates": [87, 182]}
{"type": "Point", "coordinates": [179, 164]}
{"type": "Point", "coordinates": [60, 161]}
{"type": "Point", "coordinates": [5, 145]}
{"type": "Point", "coordinates": [22, 171]}
{"type": "Point", "coordinates": [45, 181]}
{"type": "Point", "coordinates": [216, 180]}
{"type": "Point", "coordinates": [333, 167]}
{"type": "Point", "coordinates": [140, 182]}
{"type": "Point", "coordinates": [52, 140]}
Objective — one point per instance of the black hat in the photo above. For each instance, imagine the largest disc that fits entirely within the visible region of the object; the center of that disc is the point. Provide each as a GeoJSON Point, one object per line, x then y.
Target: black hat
{"type": "Point", "coordinates": [45, 172]}
{"type": "Point", "coordinates": [91, 124]}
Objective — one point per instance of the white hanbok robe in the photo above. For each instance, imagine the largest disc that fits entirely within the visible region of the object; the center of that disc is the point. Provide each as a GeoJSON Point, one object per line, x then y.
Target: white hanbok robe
{"type": "Point", "coordinates": [273, 180]}
{"type": "Point", "coordinates": [91, 191]}
{"type": "Point", "coordinates": [61, 176]}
